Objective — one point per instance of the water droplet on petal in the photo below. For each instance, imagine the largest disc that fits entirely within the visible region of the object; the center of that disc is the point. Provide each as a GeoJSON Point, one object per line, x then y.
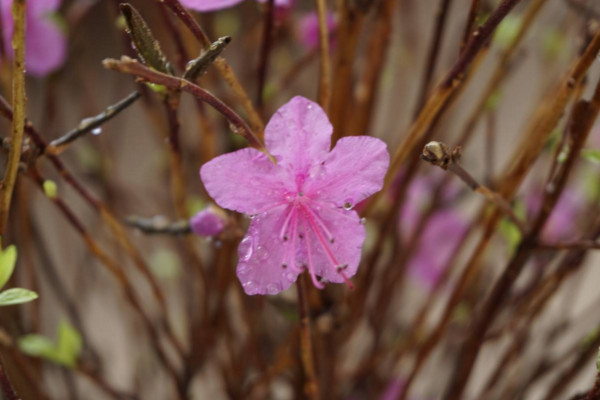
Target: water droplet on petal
{"type": "Point", "coordinates": [262, 253]}
{"type": "Point", "coordinates": [273, 288]}
{"type": "Point", "coordinates": [348, 205]}
{"type": "Point", "coordinates": [96, 131]}
{"type": "Point", "coordinates": [250, 287]}
{"type": "Point", "coordinates": [245, 248]}
{"type": "Point", "coordinates": [291, 276]}
{"type": "Point", "coordinates": [309, 106]}
{"type": "Point", "coordinates": [363, 221]}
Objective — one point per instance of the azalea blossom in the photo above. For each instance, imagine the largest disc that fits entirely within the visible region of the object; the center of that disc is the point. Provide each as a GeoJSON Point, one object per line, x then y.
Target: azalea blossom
{"type": "Point", "coordinates": [45, 44]}
{"type": "Point", "coordinates": [208, 222]}
{"type": "Point", "coordinates": [308, 30]}
{"type": "Point", "coordinates": [301, 207]}
{"type": "Point", "coordinates": [439, 238]}
{"type": "Point", "coordinates": [213, 5]}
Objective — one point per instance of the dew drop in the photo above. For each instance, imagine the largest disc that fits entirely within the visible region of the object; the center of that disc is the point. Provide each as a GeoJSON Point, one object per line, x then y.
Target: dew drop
{"type": "Point", "coordinates": [363, 221]}
{"type": "Point", "coordinates": [250, 287]}
{"type": "Point", "coordinates": [96, 131]}
{"type": "Point", "coordinates": [262, 253]}
{"type": "Point", "coordinates": [273, 288]}
{"type": "Point", "coordinates": [309, 106]}
{"type": "Point", "coordinates": [290, 276]}
{"type": "Point", "coordinates": [347, 205]}
{"type": "Point", "coordinates": [245, 248]}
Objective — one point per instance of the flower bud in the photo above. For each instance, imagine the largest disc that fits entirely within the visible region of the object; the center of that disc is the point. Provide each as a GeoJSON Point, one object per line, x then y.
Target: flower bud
{"type": "Point", "coordinates": [208, 222]}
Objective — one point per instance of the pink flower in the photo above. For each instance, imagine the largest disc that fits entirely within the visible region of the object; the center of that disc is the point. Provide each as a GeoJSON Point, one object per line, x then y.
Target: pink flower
{"type": "Point", "coordinates": [439, 237]}
{"type": "Point", "coordinates": [308, 30]}
{"type": "Point", "coordinates": [213, 5]}
{"type": "Point", "coordinates": [45, 45]}
{"type": "Point", "coordinates": [301, 206]}
{"type": "Point", "coordinates": [562, 223]}
{"type": "Point", "coordinates": [207, 222]}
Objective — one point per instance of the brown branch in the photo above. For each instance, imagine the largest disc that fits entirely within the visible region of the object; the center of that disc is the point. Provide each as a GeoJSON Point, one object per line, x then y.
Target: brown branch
{"type": "Point", "coordinates": [57, 146]}
{"type": "Point", "coordinates": [18, 122]}
{"type": "Point", "coordinates": [584, 116]}
{"type": "Point", "coordinates": [437, 153]}
{"type": "Point", "coordinates": [159, 225]}
{"type": "Point", "coordinates": [324, 60]}
{"type": "Point", "coordinates": [311, 388]}
{"type": "Point", "coordinates": [130, 66]}
{"type": "Point", "coordinates": [265, 49]}
{"type": "Point", "coordinates": [220, 63]}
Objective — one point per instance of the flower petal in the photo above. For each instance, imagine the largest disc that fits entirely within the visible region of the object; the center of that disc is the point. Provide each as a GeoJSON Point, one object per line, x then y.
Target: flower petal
{"type": "Point", "coordinates": [299, 134]}
{"type": "Point", "coordinates": [262, 255]}
{"type": "Point", "coordinates": [352, 171]}
{"type": "Point", "coordinates": [209, 5]}
{"type": "Point", "coordinates": [245, 181]}
{"type": "Point", "coordinates": [344, 239]}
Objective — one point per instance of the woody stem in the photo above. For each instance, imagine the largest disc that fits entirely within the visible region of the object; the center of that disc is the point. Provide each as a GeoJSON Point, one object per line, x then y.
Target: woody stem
{"type": "Point", "coordinates": [311, 387]}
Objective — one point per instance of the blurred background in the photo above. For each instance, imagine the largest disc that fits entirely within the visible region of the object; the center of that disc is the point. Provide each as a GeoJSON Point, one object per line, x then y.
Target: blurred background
{"type": "Point", "coordinates": [210, 340]}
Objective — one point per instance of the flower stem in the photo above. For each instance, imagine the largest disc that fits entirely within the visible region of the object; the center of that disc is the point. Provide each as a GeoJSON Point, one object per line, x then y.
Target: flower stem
{"type": "Point", "coordinates": [311, 387]}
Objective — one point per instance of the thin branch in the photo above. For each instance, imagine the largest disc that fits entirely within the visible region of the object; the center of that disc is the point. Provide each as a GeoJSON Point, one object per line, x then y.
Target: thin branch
{"type": "Point", "coordinates": [86, 125]}
{"type": "Point", "coordinates": [159, 225]}
{"type": "Point", "coordinates": [130, 66]}
{"type": "Point", "coordinates": [7, 387]}
{"type": "Point", "coordinates": [18, 122]}
{"type": "Point", "coordinates": [265, 50]}
{"type": "Point", "coordinates": [437, 153]}
{"type": "Point", "coordinates": [325, 62]}
{"type": "Point", "coordinates": [311, 387]}
{"type": "Point", "coordinates": [224, 69]}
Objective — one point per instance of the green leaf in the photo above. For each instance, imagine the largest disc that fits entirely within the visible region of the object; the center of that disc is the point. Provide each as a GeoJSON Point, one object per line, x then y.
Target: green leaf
{"type": "Point", "coordinates": [38, 346]}
{"type": "Point", "coordinates": [592, 155]}
{"type": "Point", "coordinates": [8, 259]}
{"type": "Point", "coordinates": [17, 296]}
{"type": "Point", "coordinates": [69, 343]}
{"type": "Point", "coordinates": [65, 352]}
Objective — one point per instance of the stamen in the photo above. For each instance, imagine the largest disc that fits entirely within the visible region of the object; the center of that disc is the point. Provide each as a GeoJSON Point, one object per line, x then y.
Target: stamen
{"type": "Point", "coordinates": [282, 233]}
{"type": "Point", "coordinates": [321, 224]}
{"type": "Point", "coordinates": [328, 251]}
{"type": "Point", "coordinates": [311, 268]}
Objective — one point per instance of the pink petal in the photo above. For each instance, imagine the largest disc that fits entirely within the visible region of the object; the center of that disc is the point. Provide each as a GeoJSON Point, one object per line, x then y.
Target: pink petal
{"type": "Point", "coordinates": [299, 135]}
{"type": "Point", "coordinates": [261, 255]}
{"type": "Point", "coordinates": [39, 7]}
{"type": "Point", "coordinates": [347, 234]}
{"type": "Point", "coordinates": [308, 29]}
{"type": "Point", "coordinates": [245, 181]}
{"type": "Point", "coordinates": [45, 45]}
{"type": "Point", "coordinates": [209, 5]}
{"type": "Point", "coordinates": [352, 171]}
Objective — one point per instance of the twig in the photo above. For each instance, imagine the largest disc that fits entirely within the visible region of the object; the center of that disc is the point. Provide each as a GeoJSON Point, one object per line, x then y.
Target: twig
{"type": "Point", "coordinates": [130, 66]}
{"type": "Point", "coordinates": [265, 50]}
{"type": "Point", "coordinates": [311, 388]}
{"type": "Point", "coordinates": [584, 116]}
{"type": "Point", "coordinates": [577, 245]}
{"type": "Point", "coordinates": [18, 122]}
{"type": "Point", "coordinates": [434, 52]}
{"type": "Point", "coordinates": [224, 68]}
{"type": "Point", "coordinates": [159, 225]}
{"type": "Point", "coordinates": [7, 387]}
{"type": "Point", "coordinates": [437, 153]}
{"type": "Point", "coordinates": [324, 60]}
{"type": "Point", "coordinates": [443, 91]}
{"type": "Point", "coordinates": [470, 22]}
{"type": "Point", "coordinates": [57, 146]}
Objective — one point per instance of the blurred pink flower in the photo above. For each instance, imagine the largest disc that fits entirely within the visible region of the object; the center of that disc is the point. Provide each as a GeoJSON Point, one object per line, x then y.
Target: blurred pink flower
{"type": "Point", "coordinates": [308, 30]}
{"type": "Point", "coordinates": [301, 206]}
{"type": "Point", "coordinates": [439, 238]}
{"type": "Point", "coordinates": [207, 222]}
{"type": "Point", "coordinates": [45, 44]}
{"type": "Point", "coordinates": [562, 223]}
{"type": "Point", "coordinates": [213, 5]}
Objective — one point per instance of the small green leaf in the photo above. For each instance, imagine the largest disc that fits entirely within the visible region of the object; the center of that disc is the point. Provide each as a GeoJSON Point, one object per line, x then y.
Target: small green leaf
{"type": "Point", "coordinates": [492, 102]}
{"type": "Point", "coordinates": [553, 43]}
{"type": "Point", "coordinates": [592, 155]}
{"type": "Point", "coordinates": [17, 296]}
{"type": "Point", "coordinates": [8, 259]}
{"type": "Point", "coordinates": [141, 36]}
{"type": "Point", "coordinates": [50, 188]}
{"type": "Point", "coordinates": [197, 67]}
{"type": "Point", "coordinates": [38, 346]}
{"type": "Point", "coordinates": [65, 352]}
{"type": "Point", "coordinates": [69, 343]}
